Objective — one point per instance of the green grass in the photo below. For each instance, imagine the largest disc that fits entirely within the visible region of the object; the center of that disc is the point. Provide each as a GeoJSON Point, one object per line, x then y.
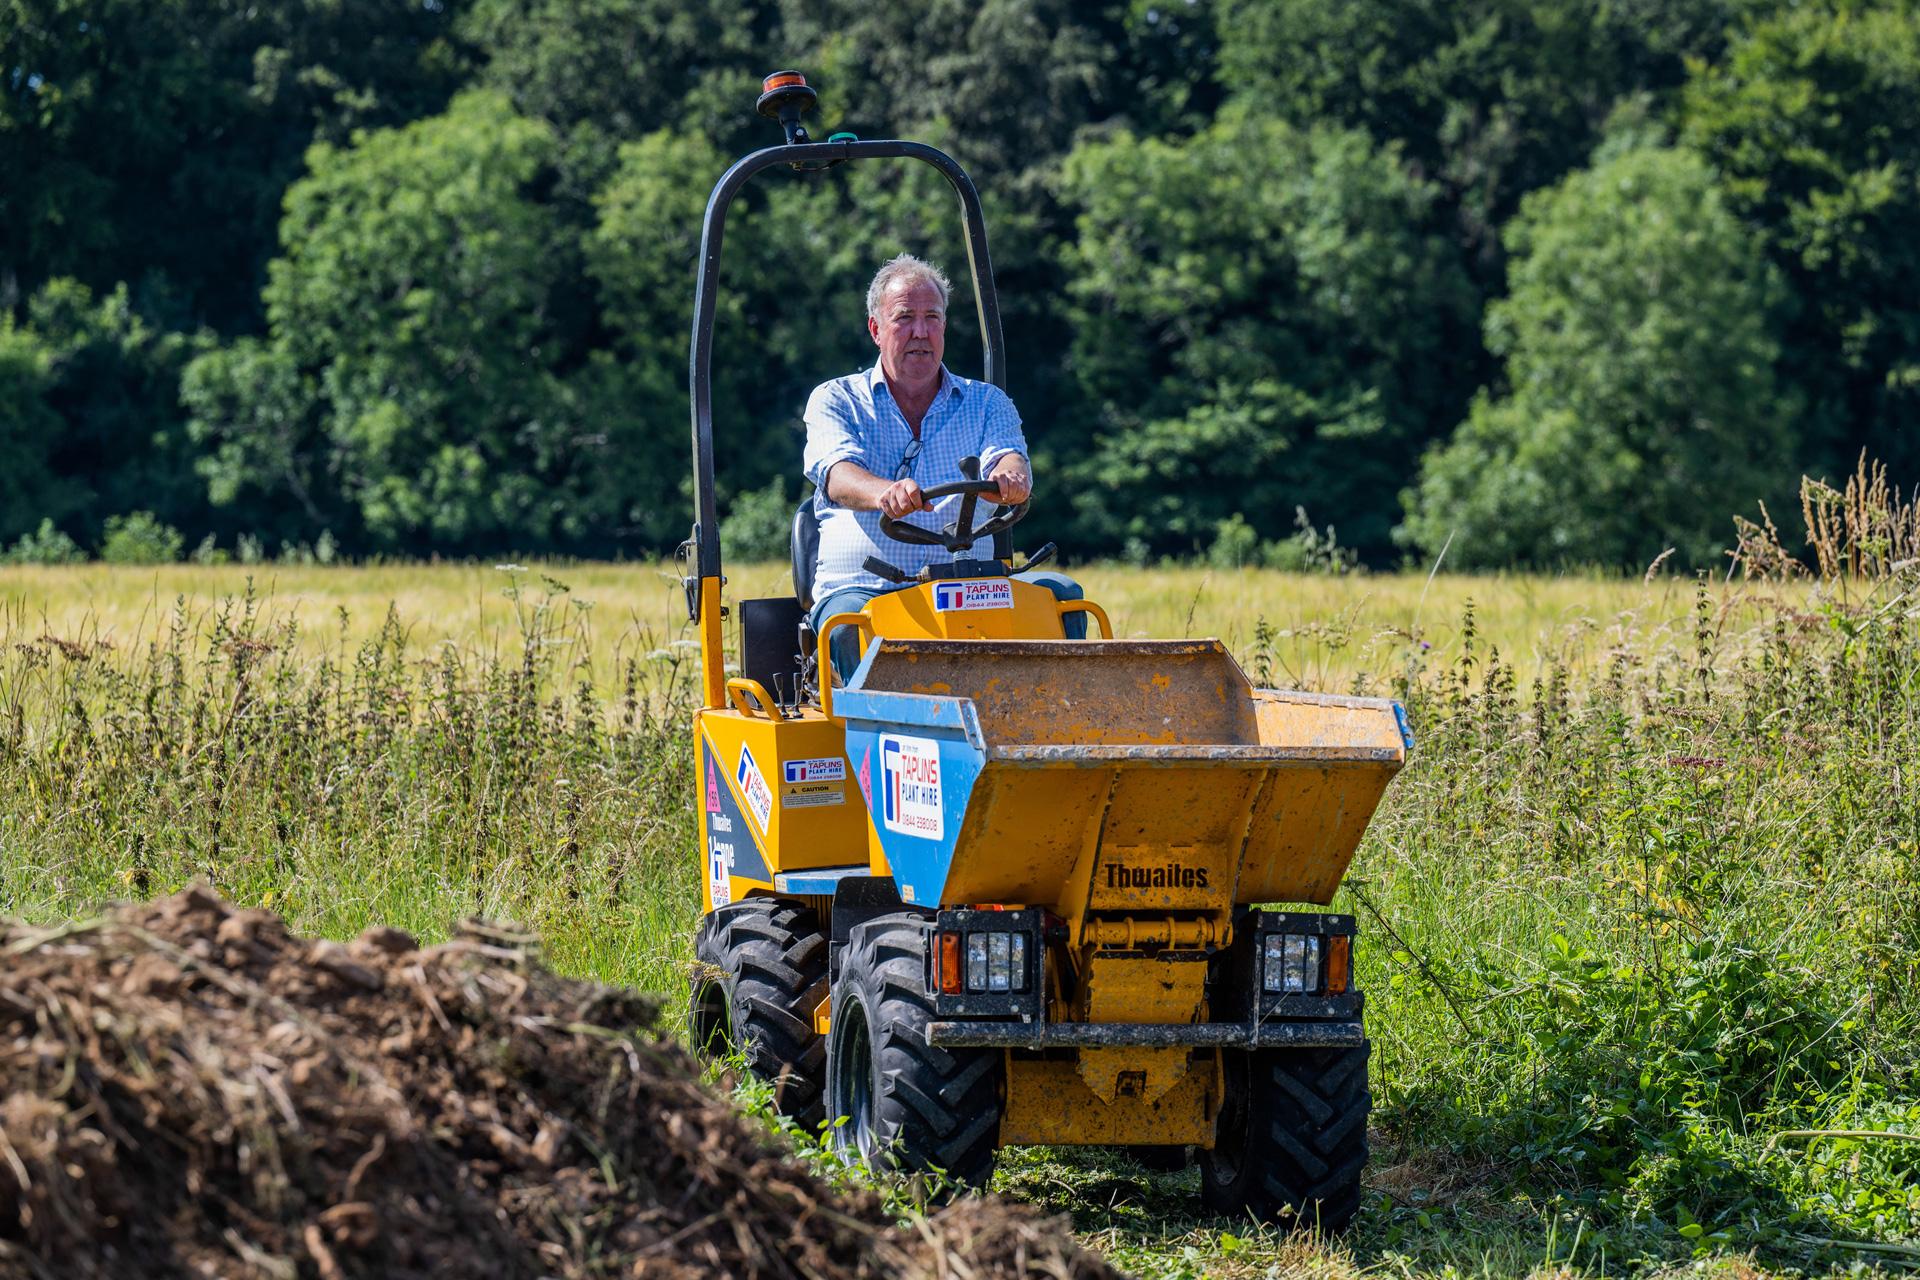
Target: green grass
{"type": "Point", "coordinates": [1630, 913]}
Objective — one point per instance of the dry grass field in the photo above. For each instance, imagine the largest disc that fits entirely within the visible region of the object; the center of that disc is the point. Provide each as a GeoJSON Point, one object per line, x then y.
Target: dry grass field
{"type": "Point", "coordinates": [1327, 633]}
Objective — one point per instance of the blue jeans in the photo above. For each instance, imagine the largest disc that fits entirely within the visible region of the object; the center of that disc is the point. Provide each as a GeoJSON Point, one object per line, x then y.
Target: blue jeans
{"type": "Point", "coordinates": [845, 644]}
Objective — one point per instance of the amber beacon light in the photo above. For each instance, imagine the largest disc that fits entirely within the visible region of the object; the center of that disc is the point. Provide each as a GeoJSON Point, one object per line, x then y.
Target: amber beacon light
{"type": "Point", "coordinates": [784, 96]}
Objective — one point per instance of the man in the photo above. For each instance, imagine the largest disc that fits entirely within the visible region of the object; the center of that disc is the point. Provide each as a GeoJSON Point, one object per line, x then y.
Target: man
{"type": "Point", "coordinates": [876, 439]}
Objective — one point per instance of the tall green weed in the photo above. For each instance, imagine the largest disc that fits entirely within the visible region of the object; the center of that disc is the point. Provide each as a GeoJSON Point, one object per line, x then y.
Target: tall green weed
{"type": "Point", "coordinates": [1624, 934]}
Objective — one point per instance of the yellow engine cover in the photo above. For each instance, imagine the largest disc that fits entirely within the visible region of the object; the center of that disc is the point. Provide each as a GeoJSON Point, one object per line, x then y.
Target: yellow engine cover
{"type": "Point", "coordinates": [928, 611]}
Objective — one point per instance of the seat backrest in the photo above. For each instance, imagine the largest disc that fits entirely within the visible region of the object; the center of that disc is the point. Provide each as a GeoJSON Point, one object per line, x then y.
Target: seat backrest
{"type": "Point", "coordinates": [804, 546]}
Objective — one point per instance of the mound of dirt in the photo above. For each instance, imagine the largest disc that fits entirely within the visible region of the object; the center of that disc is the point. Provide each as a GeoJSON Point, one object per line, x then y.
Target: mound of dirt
{"type": "Point", "coordinates": [191, 1090]}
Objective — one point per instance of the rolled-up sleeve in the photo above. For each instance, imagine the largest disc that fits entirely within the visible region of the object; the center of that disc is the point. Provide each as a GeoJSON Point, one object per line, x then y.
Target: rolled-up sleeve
{"type": "Point", "coordinates": [831, 437]}
{"type": "Point", "coordinates": [1001, 434]}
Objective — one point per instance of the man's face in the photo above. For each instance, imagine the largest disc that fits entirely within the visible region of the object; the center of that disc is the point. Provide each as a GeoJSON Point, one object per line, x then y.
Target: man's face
{"type": "Point", "coordinates": [911, 331]}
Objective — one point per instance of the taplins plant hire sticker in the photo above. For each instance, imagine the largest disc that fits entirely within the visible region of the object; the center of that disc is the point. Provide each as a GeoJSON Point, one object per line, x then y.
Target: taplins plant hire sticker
{"type": "Point", "coordinates": [754, 788]}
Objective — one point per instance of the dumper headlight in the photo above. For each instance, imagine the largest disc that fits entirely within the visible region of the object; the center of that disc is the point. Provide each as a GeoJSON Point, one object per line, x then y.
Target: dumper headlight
{"type": "Point", "coordinates": [999, 962]}
{"type": "Point", "coordinates": [996, 961]}
{"type": "Point", "coordinates": [976, 962]}
{"type": "Point", "coordinates": [988, 961]}
{"type": "Point", "coordinates": [1290, 962]}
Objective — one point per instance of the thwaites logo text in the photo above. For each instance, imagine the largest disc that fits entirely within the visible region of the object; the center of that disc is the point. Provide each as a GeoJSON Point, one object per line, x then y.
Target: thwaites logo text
{"type": "Point", "coordinates": [826, 769]}
{"type": "Point", "coordinates": [719, 843]}
{"type": "Point", "coordinates": [973, 593]}
{"type": "Point", "coordinates": [1171, 876]}
{"type": "Point", "coordinates": [910, 787]}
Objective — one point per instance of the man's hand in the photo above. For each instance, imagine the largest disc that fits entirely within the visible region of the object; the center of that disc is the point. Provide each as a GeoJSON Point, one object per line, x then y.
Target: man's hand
{"type": "Point", "coordinates": [902, 498]}
{"type": "Point", "coordinates": [854, 487]}
{"type": "Point", "coordinates": [1016, 482]}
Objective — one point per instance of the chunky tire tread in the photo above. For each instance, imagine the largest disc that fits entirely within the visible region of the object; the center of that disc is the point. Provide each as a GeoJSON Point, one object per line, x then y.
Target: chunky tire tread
{"type": "Point", "coordinates": [963, 1151]}
{"type": "Point", "coordinates": [776, 970]}
{"type": "Point", "coordinates": [773, 956]}
{"type": "Point", "coordinates": [938, 1108]}
{"type": "Point", "coordinates": [1293, 1137]}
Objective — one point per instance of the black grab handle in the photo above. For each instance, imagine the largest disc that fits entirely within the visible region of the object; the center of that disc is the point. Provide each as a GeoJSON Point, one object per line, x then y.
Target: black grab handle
{"type": "Point", "coordinates": [705, 542]}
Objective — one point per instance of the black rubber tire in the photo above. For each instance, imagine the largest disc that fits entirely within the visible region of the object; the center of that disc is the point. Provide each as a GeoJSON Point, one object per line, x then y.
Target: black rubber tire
{"type": "Point", "coordinates": [760, 970]}
{"type": "Point", "coordinates": [1291, 1141]}
{"type": "Point", "coordinates": [906, 1103]}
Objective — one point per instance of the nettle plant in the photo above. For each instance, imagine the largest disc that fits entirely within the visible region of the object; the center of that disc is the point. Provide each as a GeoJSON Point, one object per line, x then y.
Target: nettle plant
{"type": "Point", "coordinates": [1647, 931]}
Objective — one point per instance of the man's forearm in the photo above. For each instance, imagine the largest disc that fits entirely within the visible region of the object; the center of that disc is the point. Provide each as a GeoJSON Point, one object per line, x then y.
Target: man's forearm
{"type": "Point", "coordinates": [852, 486]}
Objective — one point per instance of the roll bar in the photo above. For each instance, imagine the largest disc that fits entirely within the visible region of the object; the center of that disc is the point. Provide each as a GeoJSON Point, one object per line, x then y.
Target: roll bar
{"type": "Point", "coordinates": [703, 583]}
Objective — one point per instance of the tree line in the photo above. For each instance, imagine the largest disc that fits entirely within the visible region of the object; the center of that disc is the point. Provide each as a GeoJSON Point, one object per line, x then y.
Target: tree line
{"type": "Point", "coordinates": [1538, 281]}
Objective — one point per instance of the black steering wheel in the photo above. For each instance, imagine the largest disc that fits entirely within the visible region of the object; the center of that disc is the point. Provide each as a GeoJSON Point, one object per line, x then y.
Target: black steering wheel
{"type": "Point", "coordinates": [959, 535]}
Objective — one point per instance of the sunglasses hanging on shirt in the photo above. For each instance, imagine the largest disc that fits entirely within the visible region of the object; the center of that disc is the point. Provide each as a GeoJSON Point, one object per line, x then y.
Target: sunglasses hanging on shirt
{"type": "Point", "coordinates": [907, 459]}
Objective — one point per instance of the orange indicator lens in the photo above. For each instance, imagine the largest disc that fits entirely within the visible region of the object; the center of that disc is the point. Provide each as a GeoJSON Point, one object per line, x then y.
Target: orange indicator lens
{"type": "Point", "coordinates": [1339, 960]}
{"type": "Point", "coordinates": [952, 978]}
{"type": "Point", "coordinates": [782, 80]}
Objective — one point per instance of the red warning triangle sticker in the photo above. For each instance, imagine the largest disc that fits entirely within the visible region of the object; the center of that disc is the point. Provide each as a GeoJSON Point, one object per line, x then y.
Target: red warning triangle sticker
{"type": "Point", "coordinates": [713, 788]}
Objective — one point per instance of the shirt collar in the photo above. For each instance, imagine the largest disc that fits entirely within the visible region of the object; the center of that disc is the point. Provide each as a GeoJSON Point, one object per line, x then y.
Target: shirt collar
{"type": "Point", "coordinates": [877, 380]}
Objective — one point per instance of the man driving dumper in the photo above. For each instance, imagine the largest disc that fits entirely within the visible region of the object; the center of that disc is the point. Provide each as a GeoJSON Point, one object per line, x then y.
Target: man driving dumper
{"type": "Point", "coordinates": [877, 438]}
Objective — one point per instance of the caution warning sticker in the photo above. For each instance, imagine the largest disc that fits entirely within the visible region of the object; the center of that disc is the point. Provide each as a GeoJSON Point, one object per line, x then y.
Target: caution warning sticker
{"type": "Point", "coordinates": [809, 795]}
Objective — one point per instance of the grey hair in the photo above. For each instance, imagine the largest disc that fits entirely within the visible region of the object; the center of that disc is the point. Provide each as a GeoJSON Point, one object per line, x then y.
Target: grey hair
{"type": "Point", "coordinates": [913, 271]}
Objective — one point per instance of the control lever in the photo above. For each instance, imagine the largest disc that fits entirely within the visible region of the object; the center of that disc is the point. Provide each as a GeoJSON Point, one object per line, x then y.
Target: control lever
{"type": "Point", "coordinates": [1039, 558]}
{"type": "Point", "coordinates": [881, 569]}
{"type": "Point", "coordinates": [804, 689]}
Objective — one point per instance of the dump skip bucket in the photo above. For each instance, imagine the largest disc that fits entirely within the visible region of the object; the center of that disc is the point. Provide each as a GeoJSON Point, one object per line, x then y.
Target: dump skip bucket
{"type": "Point", "coordinates": [1148, 773]}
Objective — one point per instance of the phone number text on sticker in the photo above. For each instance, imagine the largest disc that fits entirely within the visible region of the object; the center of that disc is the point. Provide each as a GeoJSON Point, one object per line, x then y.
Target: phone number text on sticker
{"type": "Point", "coordinates": [973, 593]}
{"type": "Point", "coordinates": [910, 786]}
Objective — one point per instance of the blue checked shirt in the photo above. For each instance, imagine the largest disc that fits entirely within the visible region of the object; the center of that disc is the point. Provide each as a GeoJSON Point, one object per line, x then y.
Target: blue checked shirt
{"type": "Point", "coordinates": [854, 419]}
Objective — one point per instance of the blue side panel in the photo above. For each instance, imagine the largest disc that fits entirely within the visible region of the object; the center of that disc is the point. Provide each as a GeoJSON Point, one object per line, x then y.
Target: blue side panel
{"type": "Point", "coordinates": [916, 758]}
{"type": "Point", "coordinates": [1406, 730]}
{"type": "Point", "coordinates": [910, 709]}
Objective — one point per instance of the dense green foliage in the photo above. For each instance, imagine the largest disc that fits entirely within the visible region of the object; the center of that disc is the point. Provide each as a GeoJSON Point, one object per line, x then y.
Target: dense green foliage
{"type": "Point", "coordinates": [1266, 324]}
{"type": "Point", "coordinates": [1643, 404]}
{"type": "Point", "coordinates": [419, 278]}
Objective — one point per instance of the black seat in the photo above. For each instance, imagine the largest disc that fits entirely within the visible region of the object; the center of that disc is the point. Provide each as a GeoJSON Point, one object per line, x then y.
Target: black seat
{"type": "Point", "coordinates": [804, 545]}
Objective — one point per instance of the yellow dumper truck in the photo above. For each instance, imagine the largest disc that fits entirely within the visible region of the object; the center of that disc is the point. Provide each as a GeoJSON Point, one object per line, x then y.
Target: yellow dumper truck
{"type": "Point", "coordinates": [999, 887]}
